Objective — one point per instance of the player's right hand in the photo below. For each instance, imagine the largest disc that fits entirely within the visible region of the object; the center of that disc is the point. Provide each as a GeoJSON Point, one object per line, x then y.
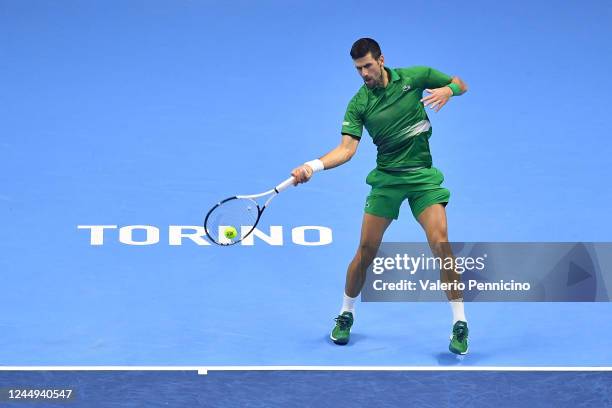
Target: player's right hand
{"type": "Point", "coordinates": [302, 174]}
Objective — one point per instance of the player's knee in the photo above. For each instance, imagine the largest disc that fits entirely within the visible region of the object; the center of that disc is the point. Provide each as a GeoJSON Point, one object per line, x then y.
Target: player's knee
{"type": "Point", "coordinates": [438, 236]}
{"type": "Point", "coordinates": [367, 250]}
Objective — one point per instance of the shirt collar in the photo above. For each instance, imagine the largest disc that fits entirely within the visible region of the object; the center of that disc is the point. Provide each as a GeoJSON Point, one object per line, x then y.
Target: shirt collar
{"type": "Point", "coordinates": [394, 75]}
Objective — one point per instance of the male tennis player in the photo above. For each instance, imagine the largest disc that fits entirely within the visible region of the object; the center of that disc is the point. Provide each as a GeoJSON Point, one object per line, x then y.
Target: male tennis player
{"type": "Point", "coordinates": [391, 106]}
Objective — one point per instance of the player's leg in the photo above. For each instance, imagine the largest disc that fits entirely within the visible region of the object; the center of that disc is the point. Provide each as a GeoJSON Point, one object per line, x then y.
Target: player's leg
{"type": "Point", "coordinates": [427, 202]}
{"type": "Point", "coordinates": [382, 206]}
{"type": "Point", "coordinates": [373, 228]}
{"type": "Point", "coordinates": [434, 222]}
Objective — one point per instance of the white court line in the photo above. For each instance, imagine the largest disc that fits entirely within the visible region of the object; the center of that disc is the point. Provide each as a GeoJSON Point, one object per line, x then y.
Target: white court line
{"type": "Point", "coordinates": [203, 370]}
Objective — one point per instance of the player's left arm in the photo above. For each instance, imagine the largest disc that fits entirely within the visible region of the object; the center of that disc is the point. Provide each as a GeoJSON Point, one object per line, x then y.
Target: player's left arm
{"type": "Point", "coordinates": [438, 97]}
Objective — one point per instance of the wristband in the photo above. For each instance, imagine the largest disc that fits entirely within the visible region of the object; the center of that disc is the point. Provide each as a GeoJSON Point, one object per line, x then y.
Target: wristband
{"type": "Point", "coordinates": [315, 165]}
{"type": "Point", "coordinates": [455, 88]}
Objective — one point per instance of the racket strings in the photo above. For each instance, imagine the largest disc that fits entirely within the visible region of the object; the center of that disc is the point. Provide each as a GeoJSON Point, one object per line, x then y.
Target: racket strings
{"type": "Point", "coordinates": [239, 213]}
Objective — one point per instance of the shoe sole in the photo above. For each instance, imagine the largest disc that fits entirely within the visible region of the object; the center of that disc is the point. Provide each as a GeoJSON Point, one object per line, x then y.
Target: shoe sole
{"type": "Point", "coordinates": [457, 352]}
{"type": "Point", "coordinates": [338, 342]}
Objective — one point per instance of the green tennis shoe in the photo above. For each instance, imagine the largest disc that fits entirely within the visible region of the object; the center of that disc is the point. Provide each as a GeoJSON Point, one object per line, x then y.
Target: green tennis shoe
{"type": "Point", "coordinates": [459, 339]}
{"type": "Point", "coordinates": [342, 332]}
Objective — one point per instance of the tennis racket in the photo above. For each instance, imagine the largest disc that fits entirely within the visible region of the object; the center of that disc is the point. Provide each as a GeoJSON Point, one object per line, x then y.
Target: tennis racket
{"type": "Point", "coordinates": [241, 212]}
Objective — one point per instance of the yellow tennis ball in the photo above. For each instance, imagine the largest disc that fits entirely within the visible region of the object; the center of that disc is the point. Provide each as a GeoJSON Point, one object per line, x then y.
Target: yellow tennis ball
{"type": "Point", "coordinates": [230, 233]}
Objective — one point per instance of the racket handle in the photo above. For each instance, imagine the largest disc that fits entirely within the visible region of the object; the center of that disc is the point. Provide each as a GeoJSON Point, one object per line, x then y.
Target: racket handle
{"type": "Point", "coordinates": [285, 184]}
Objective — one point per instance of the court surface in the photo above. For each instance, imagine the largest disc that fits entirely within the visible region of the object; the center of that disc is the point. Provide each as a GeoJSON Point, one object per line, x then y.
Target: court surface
{"type": "Point", "coordinates": [299, 388]}
{"type": "Point", "coordinates": [152, 119]}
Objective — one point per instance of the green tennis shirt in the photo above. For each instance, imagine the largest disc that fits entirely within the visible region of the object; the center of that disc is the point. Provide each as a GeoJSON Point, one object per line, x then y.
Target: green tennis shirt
{"type": "Point", "coordinates": [395, 117]}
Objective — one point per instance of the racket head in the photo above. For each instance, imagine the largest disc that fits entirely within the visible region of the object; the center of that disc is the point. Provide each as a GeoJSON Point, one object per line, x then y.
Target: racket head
{"type": "Point", "coordinates": [237, 212]}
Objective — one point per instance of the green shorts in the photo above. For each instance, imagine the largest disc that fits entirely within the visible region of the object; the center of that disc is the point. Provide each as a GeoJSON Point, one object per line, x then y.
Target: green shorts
{"type": "Point", "coordinates": [421, 187]}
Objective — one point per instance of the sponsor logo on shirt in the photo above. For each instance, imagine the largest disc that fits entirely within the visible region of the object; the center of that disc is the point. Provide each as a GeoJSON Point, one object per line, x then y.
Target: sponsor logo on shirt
{"type": "Point", "coordinates": [346, 123]}
{"type": "Point", "coordinates": [405, 88]}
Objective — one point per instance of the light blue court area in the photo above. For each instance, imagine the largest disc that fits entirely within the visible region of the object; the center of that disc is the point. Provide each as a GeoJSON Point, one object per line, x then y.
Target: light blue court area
{"type": "Point", "coordinates": [148, 113]}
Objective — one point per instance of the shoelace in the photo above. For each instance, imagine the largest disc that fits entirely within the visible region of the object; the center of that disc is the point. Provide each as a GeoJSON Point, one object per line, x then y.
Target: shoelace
{"type": "Point", "coordinates": [459, 332]}
{"type": "Point", "coordinates": [342, 322]}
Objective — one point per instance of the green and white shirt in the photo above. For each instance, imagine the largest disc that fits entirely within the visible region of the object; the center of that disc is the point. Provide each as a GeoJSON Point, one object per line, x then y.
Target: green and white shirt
{"type": "Point", "coordinates": [395, 117]}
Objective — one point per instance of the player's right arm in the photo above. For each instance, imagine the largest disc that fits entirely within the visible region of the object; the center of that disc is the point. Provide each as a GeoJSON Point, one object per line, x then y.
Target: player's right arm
{"type": "Point", "coordinates": [334, 158]}
{"type": "Point", "coordinates": [352, 128]}
{"type": "Point", "coordinates": [342, 153]}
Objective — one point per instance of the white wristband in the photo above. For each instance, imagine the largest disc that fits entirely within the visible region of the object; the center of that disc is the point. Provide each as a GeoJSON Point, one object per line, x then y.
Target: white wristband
{"type": "Point", "coordinates": [315, 165]}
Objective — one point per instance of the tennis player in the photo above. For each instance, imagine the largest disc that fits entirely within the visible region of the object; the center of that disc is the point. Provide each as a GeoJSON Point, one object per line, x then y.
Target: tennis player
{"type": "Point", "coordinates": [391, 106]}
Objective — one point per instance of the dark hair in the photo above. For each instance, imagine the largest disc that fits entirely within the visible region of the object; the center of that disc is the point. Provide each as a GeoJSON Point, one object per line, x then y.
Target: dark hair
{"type": "Point", "coordinates": [363, 46]}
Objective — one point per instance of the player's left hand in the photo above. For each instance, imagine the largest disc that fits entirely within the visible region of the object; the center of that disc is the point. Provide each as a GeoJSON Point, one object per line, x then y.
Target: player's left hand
{"type": "Point", "coordinates": [437, 97]}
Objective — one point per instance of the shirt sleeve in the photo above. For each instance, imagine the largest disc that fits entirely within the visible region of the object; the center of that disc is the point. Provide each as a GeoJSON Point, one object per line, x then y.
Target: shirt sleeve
{"type": "Point", "coordinates": [426, 77]}
{"type": "Point", "coordinates": [353, 119]}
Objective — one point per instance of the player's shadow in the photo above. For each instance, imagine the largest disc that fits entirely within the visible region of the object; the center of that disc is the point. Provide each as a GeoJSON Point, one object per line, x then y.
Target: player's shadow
{"type": "Point", "coordinates": [449, 359]}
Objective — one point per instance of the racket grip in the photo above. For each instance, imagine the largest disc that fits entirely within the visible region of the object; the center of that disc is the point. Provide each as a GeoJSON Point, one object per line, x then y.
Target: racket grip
{"type": "Point", "coordinates": [285, 184]}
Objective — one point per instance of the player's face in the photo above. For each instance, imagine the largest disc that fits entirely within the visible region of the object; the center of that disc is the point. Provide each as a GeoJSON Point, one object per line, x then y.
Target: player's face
{"type": "Point", "coordinates": [371, 70]}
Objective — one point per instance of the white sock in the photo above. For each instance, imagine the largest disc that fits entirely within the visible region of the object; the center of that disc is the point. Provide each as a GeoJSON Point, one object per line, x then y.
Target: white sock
{"type": "Point", "coordinates": [458, 312]}
{"type": "Point", "coordinates": [348, 304]}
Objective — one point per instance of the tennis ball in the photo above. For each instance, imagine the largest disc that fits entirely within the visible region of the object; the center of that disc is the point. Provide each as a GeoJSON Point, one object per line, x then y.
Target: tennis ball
{"type": "Point", "coordinates": [230, 232]}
